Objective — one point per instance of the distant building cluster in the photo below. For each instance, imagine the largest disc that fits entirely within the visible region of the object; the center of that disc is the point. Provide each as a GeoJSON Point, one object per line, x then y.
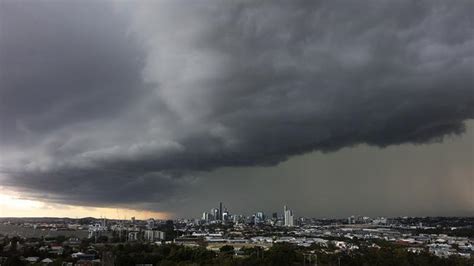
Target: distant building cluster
{"type": "Point", "coordinates": [221, 215]}
{"type": "Point", "coordinates": [129, 231]}
{"type": "Point", "coordinates": [81, 240]}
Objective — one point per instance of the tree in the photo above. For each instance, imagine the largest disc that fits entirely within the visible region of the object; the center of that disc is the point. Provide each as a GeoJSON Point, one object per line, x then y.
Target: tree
{"type": "Point", "coordinates": [282, 254]}
{"type": "Point", "coordinates": [14, 261]}
{"type": "Point", "coordinates": [102, 239]}
{"type": "Point", "coordinates": [227, 249]}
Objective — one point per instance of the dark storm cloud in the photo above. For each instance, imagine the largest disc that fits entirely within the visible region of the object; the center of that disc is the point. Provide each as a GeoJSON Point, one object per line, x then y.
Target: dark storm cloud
{"type": "Point", "coordinates": [106, 106]}
{"type": "Point", "coordinates": [63, 63]}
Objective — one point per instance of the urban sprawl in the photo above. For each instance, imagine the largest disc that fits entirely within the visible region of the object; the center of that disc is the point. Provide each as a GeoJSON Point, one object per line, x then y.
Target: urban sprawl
{"type": "Point", "coordinates": [219, 237]}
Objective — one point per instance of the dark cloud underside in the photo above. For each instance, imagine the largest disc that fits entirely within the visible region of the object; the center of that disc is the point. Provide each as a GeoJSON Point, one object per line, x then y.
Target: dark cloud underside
{"type": "Point", "coordinates": [104, 103]}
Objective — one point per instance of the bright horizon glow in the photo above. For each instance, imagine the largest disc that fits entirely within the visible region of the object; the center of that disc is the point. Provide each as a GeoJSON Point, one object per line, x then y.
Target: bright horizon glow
{"type": "Point", "coordinates": [12, 205]}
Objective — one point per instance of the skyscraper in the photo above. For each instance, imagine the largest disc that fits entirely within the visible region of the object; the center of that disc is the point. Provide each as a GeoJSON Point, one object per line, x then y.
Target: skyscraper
{"type": "Point", "coordinates": [259, 217]}
{"type": "Point", "coordinates": [206, 216]}
{"type": "Point", "coordinates": [215, 214]}
{"type": "Point", "coordinates": [220, 212]}
{"type": "Point", "coordinates": [288, 214]}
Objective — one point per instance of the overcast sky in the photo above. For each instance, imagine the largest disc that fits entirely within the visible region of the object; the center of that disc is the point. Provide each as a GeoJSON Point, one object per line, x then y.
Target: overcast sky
{"type": "Point", "coordinates": [331, 107]}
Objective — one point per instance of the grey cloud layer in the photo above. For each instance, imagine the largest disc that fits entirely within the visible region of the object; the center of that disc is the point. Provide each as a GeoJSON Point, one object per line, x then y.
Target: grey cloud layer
{"type": "Point", "coordinates": [105, 106]}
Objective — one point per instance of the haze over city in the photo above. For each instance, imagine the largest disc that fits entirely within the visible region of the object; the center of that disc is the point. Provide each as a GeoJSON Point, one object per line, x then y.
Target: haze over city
{"type": "Point", "coordinates": [164, 108]}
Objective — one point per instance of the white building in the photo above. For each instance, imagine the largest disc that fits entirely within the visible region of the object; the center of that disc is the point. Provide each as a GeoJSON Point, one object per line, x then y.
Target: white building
{"type": "Point", "coordinates": [154, 235]}
{"type": "Point", "coordinates": [288, 214]}
{"type": "Point", "coordinates": [96, 230]}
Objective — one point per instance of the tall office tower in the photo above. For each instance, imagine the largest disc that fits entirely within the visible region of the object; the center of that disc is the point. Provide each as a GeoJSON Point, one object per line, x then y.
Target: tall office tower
{"type": "Point", "coordinates": [215, 214]}
{"type": "Point", "coordinates": [288, 214]}
{"type": "Point", "coordinates": [221, 214]}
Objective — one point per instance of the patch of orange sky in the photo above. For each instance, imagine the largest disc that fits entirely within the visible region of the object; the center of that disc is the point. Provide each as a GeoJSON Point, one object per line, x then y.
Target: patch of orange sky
{"type": "Point", "coordinates": [13, 205]}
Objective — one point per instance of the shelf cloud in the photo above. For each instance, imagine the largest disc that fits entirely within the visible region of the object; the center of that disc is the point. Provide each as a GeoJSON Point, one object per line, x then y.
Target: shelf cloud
{"type": "Point", "coordinates": [105, 103]}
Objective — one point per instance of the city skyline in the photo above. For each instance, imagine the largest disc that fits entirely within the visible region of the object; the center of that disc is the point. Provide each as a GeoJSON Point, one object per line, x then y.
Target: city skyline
{"type": "Point", "coordinates": [162, 108]}
{"type": "Point", "coordinates": [23, 207]}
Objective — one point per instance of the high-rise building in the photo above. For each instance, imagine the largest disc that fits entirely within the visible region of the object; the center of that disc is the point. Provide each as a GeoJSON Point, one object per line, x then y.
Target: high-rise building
{"type": "Point", "coordinates": [288, 214]}
{"type": "Point", "coordinates": [206, 216]}
{"type": "Point", "coordinates": [221, 214]}
{"type": "Point", "coordinates": [215, 214]}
